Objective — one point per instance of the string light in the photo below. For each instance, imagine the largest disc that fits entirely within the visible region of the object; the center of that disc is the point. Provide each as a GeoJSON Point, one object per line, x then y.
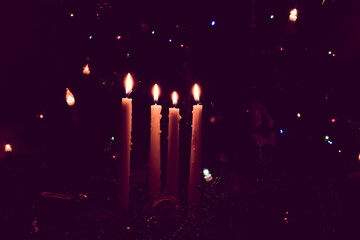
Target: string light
{"type": "Point", "coordinates": [86, 70]}
{"type": "Point", "coordinates": [8, 148]}
{"type": "Point", "coordinates": [293, 15]}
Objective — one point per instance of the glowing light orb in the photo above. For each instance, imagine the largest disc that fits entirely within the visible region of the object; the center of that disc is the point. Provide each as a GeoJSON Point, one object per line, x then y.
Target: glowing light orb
{"type": "Point", "coordinates": [86, 70]}
{"type": "Point", "coordinates": [333, 120]}
{"type": "Point", "coordinates": [213, 23]}
{"type": "Point", "coordinates": [271, 16]}
{"type": "Point", "coordinates": [293, 15]}
{"type": "Point", "coordinates": [327, 137]}
{"type": "Point", "coordinates": [153, 32]}
{"type": "Point", "coordinates": [90, 37]}
{"type": "Point", "coordinates": [298, 115]}
{"type": "Point", "coordinates": [118, 37]}
{"type": "Point", "coordinates": [329, 52]}
{"type": "Point", "coordinates": [8, 148]}
{"type": "Point", "coordinates": [170, 40]}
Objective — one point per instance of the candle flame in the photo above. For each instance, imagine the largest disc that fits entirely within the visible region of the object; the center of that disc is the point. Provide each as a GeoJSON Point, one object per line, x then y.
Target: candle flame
{"type": "Point", "coordinates": [156, 92]}
{"type": "Point", "coordinates": [86, 69]}
{"type": "Point", "coordinates": [128, 84]}
{"type": "Point", "coordinates": [196, 92]}
{"type": "Point", "coordinates": [70, 99]}
{"type": "Point", "coordinates": [8, 148]}
{"type": "Point", "coordinates": [174, 97]}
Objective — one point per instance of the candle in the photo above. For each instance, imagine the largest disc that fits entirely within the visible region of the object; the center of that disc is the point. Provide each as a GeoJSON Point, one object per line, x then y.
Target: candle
{"type": "Point", "coordinates": [86, 70]}
{"type": "Point", "coordinates": [70, 100]}
{"type": "Point", "coordinates": [154, 164]}
{"type": "Point", "coordinates": [195, 154]}
{"type": "Point", "coordinates": [125, 145]}
{"type": "Point", "coordinates": [293, 15]}
{"type": "Point", "coordinates": [172, 183]}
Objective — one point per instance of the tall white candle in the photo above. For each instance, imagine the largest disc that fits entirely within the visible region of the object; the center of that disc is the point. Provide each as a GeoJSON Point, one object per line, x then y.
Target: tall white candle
{"type": "Point", "coordinates": [195, 155]}
{"type": "Point", "coordinates": [125, 145]}
{"type": "Point", "coordinates": [172, 183]}
{"type": "Point", "coordinates": [155, 154]}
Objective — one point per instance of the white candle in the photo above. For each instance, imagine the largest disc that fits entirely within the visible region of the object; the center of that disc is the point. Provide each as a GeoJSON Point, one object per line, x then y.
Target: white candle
{"type": "Point", "coordinates": [155, 154]}
{"type": "Point", "coordinates": [195, 155]}
{"type": "Point", "coordinates": [125, 145]}
{"type": "Point", "coordinates": [172, 183]}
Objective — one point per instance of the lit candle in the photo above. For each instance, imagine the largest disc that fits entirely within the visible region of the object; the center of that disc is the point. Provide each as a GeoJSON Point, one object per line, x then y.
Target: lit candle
{"type": "Point", "coordinates": [86, 70]}
{"type": "Point", "coordinates": [125, 144]}
{"type": "Point", "coordinates": [195, 154]}
{"type": "Point", "coordinates": [172, 183]}
{"type": "Point", "coordinates": [70, 100]}
{"type": "Point", "coordinates": [293, 15]}
{"type": "Point", "coordinates": [154, 164]}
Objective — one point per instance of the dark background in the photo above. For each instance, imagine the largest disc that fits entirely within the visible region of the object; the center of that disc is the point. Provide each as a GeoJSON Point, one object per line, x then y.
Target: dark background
{"type": "Point", "coordinates": [44, 50]}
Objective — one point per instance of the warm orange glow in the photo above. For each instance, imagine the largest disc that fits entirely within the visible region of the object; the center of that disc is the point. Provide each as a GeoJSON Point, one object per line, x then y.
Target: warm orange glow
{"type": "Point", "coordinates": [128, 83]}
{"type": "Point", "coordinates": [196, 92]}
{"type": "Point", "coordinates": [8, 148]}
{"type": "Point", "coordinates": [293, 15]}
{"type": "Point", "coordinates": [70, 99]}
{"type": "Point", "coordinates": [174, 97]}
{"type": "Point", "coordinates": [156, 92]}
{"type": "Point", "coordinates": [86, 69]}
{"type": "Point", "coordinates": [41, 116]}
{"type": "Point", "coordinates": [359, 157]}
